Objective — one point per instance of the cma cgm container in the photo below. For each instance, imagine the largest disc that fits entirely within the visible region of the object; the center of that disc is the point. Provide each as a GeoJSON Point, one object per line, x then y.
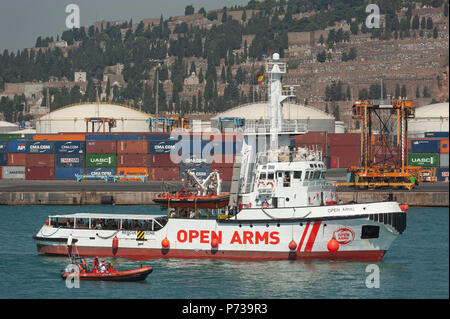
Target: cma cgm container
{"type": "Point", "coordinates": [423, 160]}
{"type": "Point", "coordinates": [17, 146]}
{"type": "Point", "coordinates": [131, 172]}
{"type": "Point", "coordinates": [200, 171]}
{"type": "Point", "coordinates": [69, 160]}
{"type": "Point", "coordinates": [13, 172]}
{"type": "Point", "coordinates": [132, 147]}
{"type": "Point", "coordinates": [40, 147]}
{"type": "Point", "coordinates": [3, 146]}
{"type": "Point", "coordinates": [70, 147]}
{"type": "Point", "coordinates": [132, 160]}
{"type": "Point", "coordinates": [425, 146]}
{"type": "Point", "coordinates": [101, 160]}
{"type": "Point", "coordinates": [99, 171]}
{"type": "Point", "coordinates": [40, 160]}
{"type": "Point", "coordinates": [39, 173]}
{"type": "Point", "coordinates": [101, 147]}
{"type": "Point", "coordinates": [68, 172]}
{"type": "Point", "coordinates": [16, 159]}
{"type": "Point", "coordinates": [162, 146]}
{"type": "Point", "coordinates": [164, 173]}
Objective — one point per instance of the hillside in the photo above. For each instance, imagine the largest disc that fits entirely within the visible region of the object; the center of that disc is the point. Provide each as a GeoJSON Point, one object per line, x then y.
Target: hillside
{"type": "Point", "coordinates": [209, 60]}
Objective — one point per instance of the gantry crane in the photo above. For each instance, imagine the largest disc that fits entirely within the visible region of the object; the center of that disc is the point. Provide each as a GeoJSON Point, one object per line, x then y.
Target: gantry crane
{"type": "Point", "coordinates": [384, 152]}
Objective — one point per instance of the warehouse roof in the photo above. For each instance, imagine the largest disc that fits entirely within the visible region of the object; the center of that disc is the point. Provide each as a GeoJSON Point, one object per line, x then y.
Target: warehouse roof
{"type": "Point", "coordinates": [438, 110]}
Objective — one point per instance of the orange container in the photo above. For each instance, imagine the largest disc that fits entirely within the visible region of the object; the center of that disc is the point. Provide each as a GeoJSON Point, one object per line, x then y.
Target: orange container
{"type": "Point", "coordinates": [444, 146]}
{"type": "Point", "coordinates": [132, 147]}
{"type": "Point", "coordinates": [16, 159]}
{"type": "Point", "coordinates": [59, 137]}
{"type": "Point", "coordinates": [131, 171]}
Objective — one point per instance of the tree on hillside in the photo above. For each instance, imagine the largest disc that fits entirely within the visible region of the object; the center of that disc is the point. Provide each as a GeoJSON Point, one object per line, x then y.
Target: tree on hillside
{"type": "Point", "coordinates": [189, 10]}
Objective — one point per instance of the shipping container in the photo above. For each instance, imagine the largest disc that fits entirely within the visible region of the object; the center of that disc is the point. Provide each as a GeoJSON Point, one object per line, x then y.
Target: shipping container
{"type": "Point", "coordinates": [194, 159]}
{"type": "Point", "coordinates": [436, 134]}
{"type": "Point", "coordinates": [101, 160]}
{"type": "Point", "coordinates": [425, 146]}
{"type": "Point", "coordinates": [40, 160]}
{"type": "Point", "coordinates": [423, 160]}
{"type": "Point", "coordinates": [222, 160]}
{"type": "Point", "coordinates": [311, 138]}
{"type": "Point", "coordinates": [3, 146]}
{"type": "Point", "coordinates": [162, 160]}
{"type": "Point", "coordinates": [164, 173]}
{"type": "Point", "coordinates": [101, 147]}
{"type": "Point", "coordinates": [344, 139]}
{"type": "Point", "coordinates": [68, 172]}
{"type": "Point", "coordinates": [100, 137]}
{"type": "Point", "coordinates": [39, 173]}
{"type": "Point", "coordinates": [10, 137]}
{"type": "Point", "coordinates": [40, 147]}
{"type": "Point", "coordinates": [132, 160]}
{"type": "Point", "coordinates": [17, 146]}
{"type": "Point", "coordinates": [59, 137]}
{"type": "Point", "coordinates": [322, 148]}
{"type": "Point", "coordinates": [100, 171]}
{"type": "Point", "coordinates": [69, 160]}
{"type": "Point", "coordinates": [444, 147]}
{"type": "Point", "coordinates": [443, 160]}
{"type": "Point", "coordinates": [13, 172]}
{"type": "Point", "coordinates": [156, 136]}
{"type": "Point", "coordinates": [17, 159]}
{"type": "Point", "coordinates": [442, 174]}
{"type": "Point", "coordinates": [226, 172]}
{"type": "Point", "coordinates": [132, 171]}
{"type": "Point", "coordinates": [70, 147]}
{"type": "Point", "coordinates": [3, 159]}
{"type": "Point", "coordinates": [200, 171]}
{"type": "Point", "coordinates": [217, 148]}
{"type": "Point", "coordinates": [163, 146]}
{"type": "Point", "coordinates": [132, 147]}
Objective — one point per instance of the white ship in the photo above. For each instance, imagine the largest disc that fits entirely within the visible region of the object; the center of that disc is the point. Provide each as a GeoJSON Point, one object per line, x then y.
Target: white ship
{"type": "Point", "coordinates": [280, 207]}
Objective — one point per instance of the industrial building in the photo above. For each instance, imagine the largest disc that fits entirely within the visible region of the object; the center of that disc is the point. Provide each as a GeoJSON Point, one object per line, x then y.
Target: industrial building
{"type": "Point", "coordinates": [429, 118]}
{"type": "Point", "coordinates": [314, 119]}
{"type": "Point", "coordinates": [93, 117]}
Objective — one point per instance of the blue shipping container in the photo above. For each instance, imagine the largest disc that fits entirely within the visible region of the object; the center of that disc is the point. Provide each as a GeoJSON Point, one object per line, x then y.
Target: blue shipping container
{"type": "Point", "coordinates": [156, 137]}
{"type": "Point", "coordinates": [436, 134]}
{"type": "Point", "coordinates": [442, 174]}
{"type": "Point", "coordinates": [98, 171]}
{"type": "Point", "coordinates": [201, 172]}
{"type": "Point", "coordinates": [69, 160]}
{"type": "Point", "coordinates": [3, 147]}
{"type": "Point", "coordinates": [3, 159]}
{"type": "Point", "coordinates": [101, 137]}
{"type": "Point", "coordinates": [17, 147]}
{"type": "Point", "coordinates": [68, 173]}
{"type": "Point", "coordinates": [41, 147]}
{"type": "Point", "coordinates": [70, 147]}
{"type": "Point", "coordinates": [425, 146]}
{"type": "Point", "coordinates": [162, 146]}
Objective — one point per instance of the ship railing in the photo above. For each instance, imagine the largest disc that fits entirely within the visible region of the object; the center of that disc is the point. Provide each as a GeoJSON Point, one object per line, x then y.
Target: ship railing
{"type": "Point", "coordinates": [263, 126]}
{"type": "Point", "coordinates": [284, 154]}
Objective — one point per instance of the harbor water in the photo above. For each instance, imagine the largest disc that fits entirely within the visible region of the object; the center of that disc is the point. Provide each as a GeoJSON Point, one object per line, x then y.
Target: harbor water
{"type": "Point", "coordinates": [416, 266]}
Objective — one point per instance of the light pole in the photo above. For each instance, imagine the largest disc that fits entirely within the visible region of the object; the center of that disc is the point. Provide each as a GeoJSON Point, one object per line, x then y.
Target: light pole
{"type": "Point", "coordinates": [157, 85]}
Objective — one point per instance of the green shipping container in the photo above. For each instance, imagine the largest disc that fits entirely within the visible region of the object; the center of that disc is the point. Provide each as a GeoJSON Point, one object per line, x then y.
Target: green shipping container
{"type": "Point", "coordinates": [101, 160]}
{"type": "Point", "coordinates": [423, 159]}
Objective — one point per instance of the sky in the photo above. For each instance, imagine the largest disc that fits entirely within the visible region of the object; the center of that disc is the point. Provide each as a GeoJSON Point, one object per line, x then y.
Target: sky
{"type": "Point", "coordinates": [22, 21]}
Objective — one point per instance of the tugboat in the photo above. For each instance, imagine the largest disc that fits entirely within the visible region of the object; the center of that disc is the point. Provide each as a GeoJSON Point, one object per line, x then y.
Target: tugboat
{"type": "Point", "coordinates": [279, 207]}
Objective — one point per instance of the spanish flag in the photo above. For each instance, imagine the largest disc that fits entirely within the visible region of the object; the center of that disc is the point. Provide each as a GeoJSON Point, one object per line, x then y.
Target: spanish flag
{"type": "Point", "coordinates": [260, 77]}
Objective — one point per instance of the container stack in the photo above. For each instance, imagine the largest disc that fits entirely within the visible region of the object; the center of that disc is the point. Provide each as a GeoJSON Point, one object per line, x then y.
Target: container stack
{"type": "Point", "coordinates": [344, 150]}
{"type": "Point", "coordinates": [431, 152]}
{"type": "Point", "coordinates": [69, 159]}
{"type": "Point", "coordinates": [40, 160]}
{"type": "Point", "coordinates": [314, 140]}
{"type": "Point", "coordinates": [132, 158]}
{"type": "Point", "coordinates": [162, 166]}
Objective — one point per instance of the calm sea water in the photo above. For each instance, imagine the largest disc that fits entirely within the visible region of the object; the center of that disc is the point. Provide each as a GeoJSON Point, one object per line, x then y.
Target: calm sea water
{"type": "Point", "coordinates": [416, 266]}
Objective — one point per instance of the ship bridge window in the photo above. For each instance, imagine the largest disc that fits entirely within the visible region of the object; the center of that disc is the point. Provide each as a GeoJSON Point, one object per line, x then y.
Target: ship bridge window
{"type": "Point", "coordinates": [311, 165]}
{"type": "Point", "coordinates": [316, 174]}
{"type": "Point", "coordinates": [322, 175]}
{"type": "Point", "coordinates": [262, 176]}
{"type": "Point", "coordinates": [287, 179]}
{"type": "Point", "coordinates": [271, 176]}
{"type": "Point", "coordinates": [297, 174]}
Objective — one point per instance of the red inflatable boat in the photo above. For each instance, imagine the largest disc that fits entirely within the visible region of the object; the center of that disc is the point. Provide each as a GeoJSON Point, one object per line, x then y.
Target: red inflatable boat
{"type": "Point", "coordinates": [115, 275]}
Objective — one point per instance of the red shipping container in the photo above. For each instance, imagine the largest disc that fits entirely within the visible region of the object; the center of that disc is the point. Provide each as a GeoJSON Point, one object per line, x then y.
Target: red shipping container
{"type": "Point", "coordinates": [165, 173]}
{"type": "Point", "coordinates": [312, 138]}
{"type": "Point", "coordinates": [161, 160]}
{"type": "Point", "coordinates": [40, 160]}
{"type": "Point", "coordinates": [350, 139]}
{"type": "Point", "coordinates": [320, 147]}
{"type": "Point", "coordinates": [132, 147]}
{"type": "Point", "coordinates": [39, 173]}
{"type": "Point", "coordinates": [101, 147]}
{"type": "Point", "coordinates": [16, 159]}
{"type": "Point", "coordinates": [226, 173]}
{"type": "Point", "coordinates": [222, 160]}
{"type": "Point", "coordinates": [344, 156]}
{"type": "Point", "coordinates": [133, 160]}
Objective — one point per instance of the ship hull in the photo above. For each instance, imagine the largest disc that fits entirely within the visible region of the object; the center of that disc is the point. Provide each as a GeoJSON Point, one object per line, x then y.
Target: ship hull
{"type": "Point", "coordinates": [360, 236]}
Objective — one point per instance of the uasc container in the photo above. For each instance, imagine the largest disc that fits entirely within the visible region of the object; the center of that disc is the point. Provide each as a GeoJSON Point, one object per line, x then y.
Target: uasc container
{"type": "Point", "coordinates": [423, 160]}
{"type": "Point", "coordinates": [101, 160]}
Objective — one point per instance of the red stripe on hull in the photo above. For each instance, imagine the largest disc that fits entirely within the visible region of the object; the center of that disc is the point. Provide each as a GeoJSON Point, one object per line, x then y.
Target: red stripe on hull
{"type": "Point", "coordinates": [143, 253]}
{"type": "Point", "coordinates": [312, 237]}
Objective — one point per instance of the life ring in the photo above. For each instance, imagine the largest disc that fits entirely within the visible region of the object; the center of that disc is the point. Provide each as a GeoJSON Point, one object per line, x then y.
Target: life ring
{"type": "Point", "coordinates": [270, 184]}
{"type": "Point", "coordinates": [261, 183]}
{"type": "Point", "coordinates": [265, 204]}
{"type": "Point", "coordinates": [164, 195]}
